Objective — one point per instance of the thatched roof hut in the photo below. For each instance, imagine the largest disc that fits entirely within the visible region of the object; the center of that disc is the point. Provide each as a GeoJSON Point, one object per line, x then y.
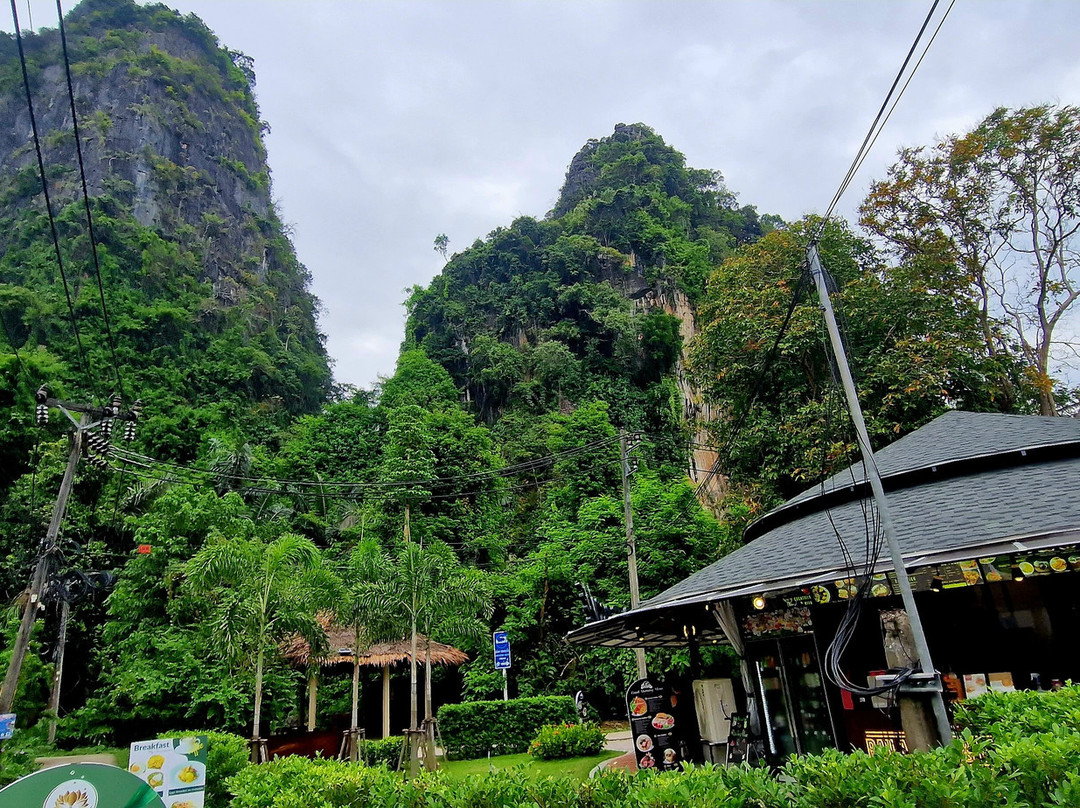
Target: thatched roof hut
{"type": "Point", "coordinates": [341, 649]}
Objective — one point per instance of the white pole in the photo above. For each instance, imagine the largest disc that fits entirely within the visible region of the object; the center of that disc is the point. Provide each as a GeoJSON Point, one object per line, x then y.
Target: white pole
{"type": "Point", "coordinates": [506, 686]}
{"type": "Point", "coordinates": [922, 648]}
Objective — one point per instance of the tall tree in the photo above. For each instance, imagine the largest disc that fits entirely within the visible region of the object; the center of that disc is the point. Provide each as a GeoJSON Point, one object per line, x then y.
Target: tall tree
{"type": "Point", "coordinates": [428, 589]}
{"type": "Point", "coordinates": [914, 344]}
{"type": "Point", "coordinates": [259, 594]}
{"type": "Point", "coordinates": [1002, 204]}
{"type": "Point", "coordinates": [359, 607]}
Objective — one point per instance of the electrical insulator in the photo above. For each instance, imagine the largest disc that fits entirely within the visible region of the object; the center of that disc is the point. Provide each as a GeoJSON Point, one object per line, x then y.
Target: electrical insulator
{"type": "Point", "coordinates": [106, 427]}
{"type": "Point", "coordinates": [129, 431]}
{"type": "Point", "coordinates": [41, 413]}
{"type": "Point", "coordinates": [136, 409]}
{"type": "Point", "coordinates": [99, 461]}
{"type": "Point", "coordinates": [117, 404]}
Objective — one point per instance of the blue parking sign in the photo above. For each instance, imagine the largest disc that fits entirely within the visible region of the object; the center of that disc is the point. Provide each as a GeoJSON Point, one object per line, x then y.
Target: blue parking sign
{"type": "Point", "coordinates": [502, 650]}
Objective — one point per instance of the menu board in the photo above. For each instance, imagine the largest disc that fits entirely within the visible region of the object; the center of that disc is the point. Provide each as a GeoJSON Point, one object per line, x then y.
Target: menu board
{"type": "Point", "coordinates": [652, 725]}
{"type": "Point", "coordinates": [174, 767]}
{"type": "Point", "coordinates": [778, 622]}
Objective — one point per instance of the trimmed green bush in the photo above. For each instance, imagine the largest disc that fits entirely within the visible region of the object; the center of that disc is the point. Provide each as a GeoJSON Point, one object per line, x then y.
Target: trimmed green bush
{"type": "Point", "coordinates": [382, 751]}
{"type": "Point", "coordinates": [473, 729]}
{"type": "Point", "coordinates": [1020, 713]}
{"type": "Point", "coordinates": [226, 755]}
{"type": "Point", "coordinates": [557, 741]}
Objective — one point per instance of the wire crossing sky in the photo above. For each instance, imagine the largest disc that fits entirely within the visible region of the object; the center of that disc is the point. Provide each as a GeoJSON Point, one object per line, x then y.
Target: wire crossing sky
{"type": "Point", "coordinates": [393, 122]}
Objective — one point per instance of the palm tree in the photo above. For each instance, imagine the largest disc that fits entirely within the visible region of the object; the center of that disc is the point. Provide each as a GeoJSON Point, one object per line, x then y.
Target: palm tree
{"type": "Point", "coordinates": [260, 594]}
{"type": "Point", "coordinates": [361, 607]}
{"type": "Point", "coordinates": [428, 588]}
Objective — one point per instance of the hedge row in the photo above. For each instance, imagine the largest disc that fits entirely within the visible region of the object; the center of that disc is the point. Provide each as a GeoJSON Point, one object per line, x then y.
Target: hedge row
{"type": "Point", "coordinates": [973, 773]}
{"type": "Point", "coordinates": [473, 729]}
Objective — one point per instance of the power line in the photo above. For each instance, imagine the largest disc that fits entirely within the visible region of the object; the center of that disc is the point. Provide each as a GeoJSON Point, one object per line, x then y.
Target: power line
{"type": "Point", "coordinates": [864, 148]}
{"type": "Point", "coordinates": [48, 202]}
{"type": "Point", "coordinates": [904, 88]}
{"type": "Point", "coordinates": [86, 199]}
{"type": "Point", "coordinates": [524, 467]}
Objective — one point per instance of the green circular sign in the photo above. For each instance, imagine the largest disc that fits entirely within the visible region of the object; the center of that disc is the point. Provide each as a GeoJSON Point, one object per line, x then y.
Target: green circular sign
{"type": "Point", "coordinates": [80, 785]}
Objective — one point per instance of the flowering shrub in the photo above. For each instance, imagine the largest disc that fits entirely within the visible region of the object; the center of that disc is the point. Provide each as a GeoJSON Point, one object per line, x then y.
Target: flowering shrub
{"type": "Point", "coordinates": [556, 741]}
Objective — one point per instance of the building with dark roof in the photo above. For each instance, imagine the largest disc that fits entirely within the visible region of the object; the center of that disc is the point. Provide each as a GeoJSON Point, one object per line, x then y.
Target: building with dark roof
{"type": "Point", "coordinates": [986, 509]}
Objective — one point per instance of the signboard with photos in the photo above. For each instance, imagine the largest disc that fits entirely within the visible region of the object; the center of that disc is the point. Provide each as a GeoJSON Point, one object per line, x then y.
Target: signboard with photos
{"type": "Point", "coordinates": [650, 708]}
{"type": "Point", "coordinates": [175, 768]}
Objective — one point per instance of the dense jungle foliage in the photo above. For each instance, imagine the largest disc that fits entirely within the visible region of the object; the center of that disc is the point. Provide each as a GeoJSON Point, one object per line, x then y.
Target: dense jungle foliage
{"type": "Point", "coordinates": [646, 290]}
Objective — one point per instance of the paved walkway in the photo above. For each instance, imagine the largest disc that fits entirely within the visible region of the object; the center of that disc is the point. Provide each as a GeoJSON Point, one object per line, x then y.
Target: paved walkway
{"type": "Point", "coordinates": [618, 742]}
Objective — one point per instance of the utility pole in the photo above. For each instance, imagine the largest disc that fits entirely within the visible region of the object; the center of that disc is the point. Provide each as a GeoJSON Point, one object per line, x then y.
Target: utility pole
{"type": "Point", "coordinates": [627, 443]}
{"type": "Point", "coordinates": [928, 683]}
{"type": "Point", "coordinates": [91, 418]}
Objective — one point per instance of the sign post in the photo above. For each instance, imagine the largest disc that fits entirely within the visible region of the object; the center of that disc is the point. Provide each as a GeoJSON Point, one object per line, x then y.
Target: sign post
{"type": "Point", "coordinates": [502, 659]}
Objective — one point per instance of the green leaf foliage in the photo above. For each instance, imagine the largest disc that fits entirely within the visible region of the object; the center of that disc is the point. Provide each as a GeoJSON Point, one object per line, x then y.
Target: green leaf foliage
{"type": "Point", "coordinates": [474, 729]}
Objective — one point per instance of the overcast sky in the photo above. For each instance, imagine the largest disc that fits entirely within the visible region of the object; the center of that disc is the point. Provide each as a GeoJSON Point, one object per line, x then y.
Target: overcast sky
{"type": "Point", "coordinates": [395, 121]}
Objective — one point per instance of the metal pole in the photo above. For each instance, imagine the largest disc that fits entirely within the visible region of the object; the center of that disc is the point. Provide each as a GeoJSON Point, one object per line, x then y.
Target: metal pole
{"type": "Point", "coordinates": [506, 686]}
{"type": "Point", "coordinates": [925, 662]}
{"type": "Point", "coordinates": [631, 545]}
{"type": "Point", "coordinates": [37, 583]}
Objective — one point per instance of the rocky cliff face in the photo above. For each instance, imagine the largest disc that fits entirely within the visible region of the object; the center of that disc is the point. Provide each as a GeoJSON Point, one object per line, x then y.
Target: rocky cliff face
{"type": "Point", "coordinates": [169, 129]}
{"type": "Point", "coordinates": [209, 300]}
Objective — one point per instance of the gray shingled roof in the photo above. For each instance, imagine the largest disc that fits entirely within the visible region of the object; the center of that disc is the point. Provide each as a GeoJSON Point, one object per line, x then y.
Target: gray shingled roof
{"type": "Point", "coordinates": [934, 517]}
{"type": "Point", "coordinates": [954, 436]}
{"type": "Point", "coordinates": [1008, 487]}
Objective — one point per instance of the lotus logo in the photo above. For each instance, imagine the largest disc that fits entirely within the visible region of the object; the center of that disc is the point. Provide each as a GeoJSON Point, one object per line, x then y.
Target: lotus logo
{"type": "Point", "coordinates": [72, 794]}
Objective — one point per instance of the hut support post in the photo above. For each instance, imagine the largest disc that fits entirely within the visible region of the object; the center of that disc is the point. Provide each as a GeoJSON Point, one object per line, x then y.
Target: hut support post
{"type": "Point", "coordinates": [386, 701]}
{"type": "Point", "coordinates": [312, 698]}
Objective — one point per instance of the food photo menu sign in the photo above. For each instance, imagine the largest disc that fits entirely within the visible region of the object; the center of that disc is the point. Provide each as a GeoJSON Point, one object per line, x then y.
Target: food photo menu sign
{"type": "Point", "coordinates": [652, 725]}
{"type": "Point", "coordinates": [174, 767]}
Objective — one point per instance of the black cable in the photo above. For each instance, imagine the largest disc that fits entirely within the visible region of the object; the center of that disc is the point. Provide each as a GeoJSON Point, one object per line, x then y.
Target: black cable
{"type": "Point", "coordinates": [479, 476]}
{"type": "Point", "coordinates": [86, 199]}
{"type": "Point", "coordinates": [904, 88]}
{"type": "Point", "coordinates": [48, 202]}
{"type": "Point", "coordinates": [863, 148]}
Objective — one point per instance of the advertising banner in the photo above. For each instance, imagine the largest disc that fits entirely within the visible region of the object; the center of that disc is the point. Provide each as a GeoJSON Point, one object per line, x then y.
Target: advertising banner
{"type": "Point", "coordinates": [175, 768]}
{"type": "Point", "coordinates": [80, 785]}
{"type": "Point", "coordinates": [652, 726]}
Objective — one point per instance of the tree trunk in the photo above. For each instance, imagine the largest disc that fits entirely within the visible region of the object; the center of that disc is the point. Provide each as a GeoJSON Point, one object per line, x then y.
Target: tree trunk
{"type": "Point", "coordinates": [429, 720]}
{"type": "Point", "coordinates": [412, 676]}
{"type": "Point", "coordinates": [355, 691]}
{"type": "Point", "coordinates": [312, 699]}
{"type": "Point", "coordinates": [58, 674]}
{"type": "Point", "coordinates": [427, 680]}
{"type": "Point", "coordinates": [386, 702]}
{"type": "Point", "coordinates": [258, 695]}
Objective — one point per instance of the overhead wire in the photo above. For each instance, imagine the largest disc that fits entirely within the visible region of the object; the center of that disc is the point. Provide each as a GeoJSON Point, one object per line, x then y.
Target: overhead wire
{"type": "Point", "coordinates": [873, 533]}
{"type": "Point", "coordinates": [86, 200]}
{"type": "Point", "coordinates": [84, 364]}
{"type": "Point", "coordinates": [480, 476]}
{"type": "Point", "coordinates": [870, 134]}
